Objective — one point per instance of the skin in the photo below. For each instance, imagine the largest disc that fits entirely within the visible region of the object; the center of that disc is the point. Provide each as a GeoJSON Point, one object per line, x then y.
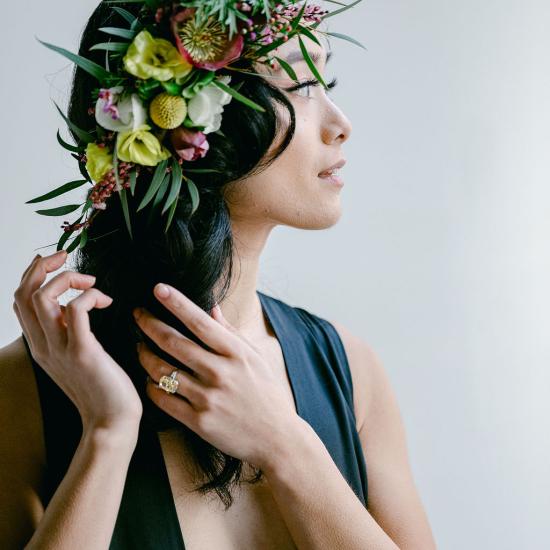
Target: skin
{"type": "Point", "coordinates": [233, 383]}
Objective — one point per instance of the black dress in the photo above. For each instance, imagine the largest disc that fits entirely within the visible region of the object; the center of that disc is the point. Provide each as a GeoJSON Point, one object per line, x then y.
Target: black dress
{"type": "Point", "coordinates": [321, 383]}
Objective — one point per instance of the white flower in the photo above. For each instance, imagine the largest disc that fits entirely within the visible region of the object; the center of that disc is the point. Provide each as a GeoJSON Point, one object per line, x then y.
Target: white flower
{"type": "Point", "coordinates": [206, 107]}
{"type": "Point", "coordinates": [119, 114]}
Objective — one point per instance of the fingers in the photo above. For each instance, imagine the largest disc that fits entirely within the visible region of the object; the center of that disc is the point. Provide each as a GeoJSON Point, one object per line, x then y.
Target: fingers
{"type": "Point", "coordinates": [32, 278]}
{"type": "Point", "coordinates": [46, 304]}
{"type": "Point", "coordinates": [76, 314]}
{"type": "Point", "coordinates": [37, 257]}
{"type": "Point", "coordinates": [212, 333]}
{"type": "Point", "coordinates": [188, 386]}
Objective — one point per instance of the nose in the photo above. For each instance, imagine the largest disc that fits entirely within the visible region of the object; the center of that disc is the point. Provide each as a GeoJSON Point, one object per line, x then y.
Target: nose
{"type": "Point", "coordinates": [336, 127]}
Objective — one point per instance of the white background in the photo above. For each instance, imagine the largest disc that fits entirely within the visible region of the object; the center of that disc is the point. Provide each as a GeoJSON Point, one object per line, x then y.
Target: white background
{"type": "Point", "coordinates": [441, 261]}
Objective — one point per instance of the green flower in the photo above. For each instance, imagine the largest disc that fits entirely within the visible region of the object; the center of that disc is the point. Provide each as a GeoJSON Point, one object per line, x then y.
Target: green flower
{"type": "Point", "coordinates": [157, 58]}
{"type": "Point", "coordinates": [98, 161]}
{"type": "Point", "coordinates": [141, 147]}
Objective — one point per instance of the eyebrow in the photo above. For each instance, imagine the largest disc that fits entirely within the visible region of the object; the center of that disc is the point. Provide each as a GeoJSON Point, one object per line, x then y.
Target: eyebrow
{"type": "Point", "coordinates": [296, 56]}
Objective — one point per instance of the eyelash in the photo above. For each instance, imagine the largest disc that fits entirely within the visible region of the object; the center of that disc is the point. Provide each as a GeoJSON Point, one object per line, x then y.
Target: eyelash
{"type": "Point", "coordinates": [312, 82]}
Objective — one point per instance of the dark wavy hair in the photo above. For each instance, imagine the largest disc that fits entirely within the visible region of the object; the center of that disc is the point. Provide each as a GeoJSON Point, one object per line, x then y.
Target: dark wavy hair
{"type": "Point", "coordinates": [195, 255]}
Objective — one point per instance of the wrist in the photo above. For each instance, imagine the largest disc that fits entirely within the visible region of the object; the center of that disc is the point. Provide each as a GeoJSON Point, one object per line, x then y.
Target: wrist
{"type": "Point", "coordinates": [293, 444]}
{"type": "Point", "coordinates": [120, 436]}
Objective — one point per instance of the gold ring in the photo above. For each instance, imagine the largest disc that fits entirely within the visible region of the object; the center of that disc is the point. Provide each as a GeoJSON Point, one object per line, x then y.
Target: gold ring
{"type": "Point", "coordinates": [169, 383]}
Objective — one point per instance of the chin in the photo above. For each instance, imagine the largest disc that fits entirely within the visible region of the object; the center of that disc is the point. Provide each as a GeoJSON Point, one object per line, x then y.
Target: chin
{"type": "Point", "coordinates": [324, 217]}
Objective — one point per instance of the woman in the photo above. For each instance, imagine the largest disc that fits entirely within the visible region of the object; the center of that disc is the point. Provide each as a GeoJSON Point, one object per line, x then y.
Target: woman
{"type": "Point", "coordinates": [238, 421]}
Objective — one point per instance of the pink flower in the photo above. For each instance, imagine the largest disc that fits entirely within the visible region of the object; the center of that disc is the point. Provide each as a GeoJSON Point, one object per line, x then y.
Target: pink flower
{"type": "Point", "coordinates": [206, 44]}
{"type": "Point", "coordinates": [189, 145]}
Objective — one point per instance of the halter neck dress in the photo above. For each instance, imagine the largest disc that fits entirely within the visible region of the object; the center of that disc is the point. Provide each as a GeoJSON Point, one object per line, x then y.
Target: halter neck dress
{"type": "Point", "coordinates": [320, 379]}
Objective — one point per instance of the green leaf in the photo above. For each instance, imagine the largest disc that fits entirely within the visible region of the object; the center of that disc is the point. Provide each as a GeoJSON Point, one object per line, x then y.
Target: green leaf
{"type": "Point", "coordinates": [155, 184]}
{"type": "Point", "coordinates": [94, 69]}
{"type": "Point", "coordinates": [133, 177]}
{"type": "Point", "coordinates": [83, 238]}
{"type": "Point", "coordinates": [129, 17]}
{"type": "Point", "coordinates": [171, 214]}
{"type": "Point", "coordinates": [310, 63]}
{"type": "Point", "coordinates": [306, 32]}
{"type": "Point", "coordinates": [336, 12]}
{"type": "Point", "coordinates": [116, 31]}
{"type": "Point", "coordinates": [68, 146]}
{"type": "Point", "coordinates": [238, 96]}
{"type": "Point", "coordinates": [84, 172]}
{"type": "Point", "coordinates": [125, 210]}
{"type": "Point", "coordinates": [194, 192]}
{"type": "Point", "coordinates": [288, 69]}
{"type": "Point", "coordinates": [59, 211]}
{"type": "Point", "coordinates": [63, 239]}
{"type": "Point", "coordinates": [111, 46]}
{"type": "Point", "coordinates": [75, 243]}
{"type": "Point", "coordinates": [153, 4]}
{"type": "Point", "coordinates": [58, 191]}
{"type": "Point", "coordinates": [175, 185]}
{"type": "Point", "coordinates": [162, 190]}
{"type": "Point", "coordinates": [123, 1]}
{"type": "Point", "coordinates": [346, 37]}
{"type": "Point", "coordinates": [86, 137]}
{"type": "Point", "coordinates": [202, 171]}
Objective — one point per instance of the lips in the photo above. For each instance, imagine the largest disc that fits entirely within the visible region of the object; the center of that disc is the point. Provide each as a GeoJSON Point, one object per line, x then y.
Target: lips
{"type": "Point", "coordinates": [331, 170]}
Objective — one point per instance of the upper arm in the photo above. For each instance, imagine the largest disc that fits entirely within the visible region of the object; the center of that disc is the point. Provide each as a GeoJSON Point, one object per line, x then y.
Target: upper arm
{"type": "Point", "coordinates": [22, 452]}
{"type": "Point", "coordinates": [393, 499]}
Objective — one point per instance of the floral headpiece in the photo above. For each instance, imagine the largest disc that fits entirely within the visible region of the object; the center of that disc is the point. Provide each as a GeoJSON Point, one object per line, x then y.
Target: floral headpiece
{"type": "Point", "coordinates": [162, 90]}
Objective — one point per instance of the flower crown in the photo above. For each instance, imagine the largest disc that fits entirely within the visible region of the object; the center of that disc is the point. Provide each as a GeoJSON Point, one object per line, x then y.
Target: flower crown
{"type": "Point", "coordinates": [161, 93]}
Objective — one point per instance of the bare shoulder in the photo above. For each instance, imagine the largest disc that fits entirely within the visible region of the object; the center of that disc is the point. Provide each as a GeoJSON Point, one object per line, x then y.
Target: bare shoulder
{"type": "Point", "coordinates": [363, 364]}
{"type": "Point", "coordinates": [21, 446]}
{"type": "Point", "coordinates": [393, 499]}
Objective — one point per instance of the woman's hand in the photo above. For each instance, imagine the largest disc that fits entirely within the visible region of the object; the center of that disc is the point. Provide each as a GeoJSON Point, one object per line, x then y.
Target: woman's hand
{"type": "Point", "coordinates": [62, 343]}
{"type": "Point", "coordinates": [233, 400]}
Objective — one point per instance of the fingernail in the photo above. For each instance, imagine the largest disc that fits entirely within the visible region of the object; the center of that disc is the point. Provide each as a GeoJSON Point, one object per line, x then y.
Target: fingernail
{"type": "Point", "coordinates": [137, 312]}
{"type": "Point", "coordinates": [162, 290]}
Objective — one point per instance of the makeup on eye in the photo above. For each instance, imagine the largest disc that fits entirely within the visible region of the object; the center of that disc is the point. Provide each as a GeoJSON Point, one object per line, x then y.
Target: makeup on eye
{"type": "Point", "coordinates": [310, 83]}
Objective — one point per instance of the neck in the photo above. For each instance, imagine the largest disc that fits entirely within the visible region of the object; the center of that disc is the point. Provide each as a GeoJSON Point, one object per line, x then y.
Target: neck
{"type": "Point", "coordinates": [241, 306]}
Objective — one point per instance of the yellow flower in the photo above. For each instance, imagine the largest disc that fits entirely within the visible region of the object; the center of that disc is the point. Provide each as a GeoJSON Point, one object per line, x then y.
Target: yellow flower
{"type": "Point", "coordinates": [168, 111]}
{"type": "Point", "coordinates": [141, 146]}
{"type": "Point", "coordinates": [98, 161]}
{"type": "Point", "coordinates": [157, 58]}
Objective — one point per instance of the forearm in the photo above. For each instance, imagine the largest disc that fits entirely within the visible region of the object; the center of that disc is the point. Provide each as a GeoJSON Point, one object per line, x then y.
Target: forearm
{"type": "Point", "coordinates": [318, 506]}
{"type": "Point", "coordinates": [83, 511]}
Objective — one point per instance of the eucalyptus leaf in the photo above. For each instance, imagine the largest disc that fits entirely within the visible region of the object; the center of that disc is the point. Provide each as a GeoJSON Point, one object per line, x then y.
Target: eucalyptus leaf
{"type": "Point", "coordinates": [83, 238]}
{"type": "Point", "coordinates": [238, 96]}
{"type": "Point", "coordinates": [171, 214]}
{"type": "Point", "coordinates": [175, 185]}
{"type": "Point", "coordinates": [90, 67]}
{"type": "Point", "coordinates": [75, 243]}
{"type": "Point", "coordinates": [111, 46]}
{"type": "Point", "coordinates": [117, 31]}
{"type": "Point", "coordinates": [306, 32]}
{"type": "Point", "coordinates": [133, 177]}
{"type": "Point", "coordinates": [288, 69]}
{"type": "Point", "coordinates": [58, 191]}
{"type": "Point", "coordinates": [63, 239]}
{"type": "Point", "coordinates": [336, 12]}
{"type": "Point", "coordinates": [155, 184]}
{"type": "Point", "coordinates": [59, 210]}
{"type": "Point", "coordinates": [310, 63]}
{"type": "Point", "coordinates": [68, 146]}
{"type": "Point", "coordinates": [129, 17]}
{"type": "Point", "coordinates": [162, 190]}
{"type": "Point", "coordinates": [346, 37]}
{"type": "Point", "coordinates": [125, 210]}
{"type": "Point", "coordinates": [194, 192]}
{"type": "Point", "coordinates": [82, 134]}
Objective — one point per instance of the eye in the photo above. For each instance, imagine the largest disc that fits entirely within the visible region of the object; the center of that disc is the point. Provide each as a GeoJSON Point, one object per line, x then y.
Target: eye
{"type": "Point", "coordinates": [303, 89]}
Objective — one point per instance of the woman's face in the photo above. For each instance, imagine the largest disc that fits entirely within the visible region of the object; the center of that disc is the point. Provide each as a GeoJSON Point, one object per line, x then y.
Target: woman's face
{"type": "Point", "coordinates": [293, 190]}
